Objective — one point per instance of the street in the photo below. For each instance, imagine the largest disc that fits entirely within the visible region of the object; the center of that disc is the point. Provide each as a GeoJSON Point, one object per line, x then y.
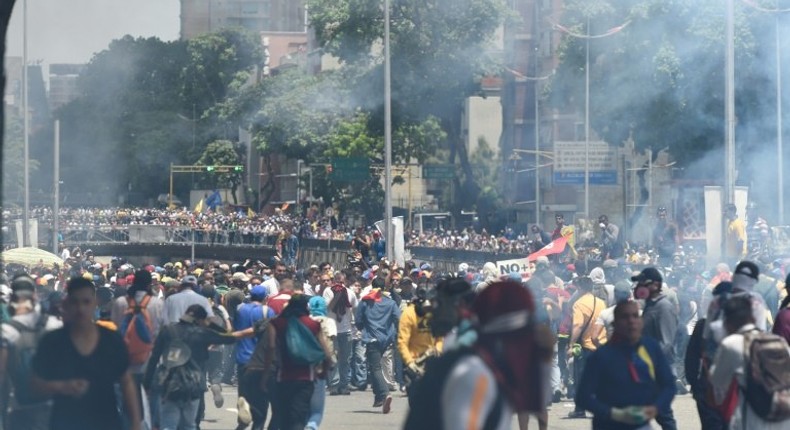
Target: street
{"type": "Point", "coordinates": [354, 412]}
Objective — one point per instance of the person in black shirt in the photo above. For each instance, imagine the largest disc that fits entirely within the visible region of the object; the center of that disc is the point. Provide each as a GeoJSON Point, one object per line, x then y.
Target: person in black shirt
{"type": "Point", "coordinates": [79, 365]}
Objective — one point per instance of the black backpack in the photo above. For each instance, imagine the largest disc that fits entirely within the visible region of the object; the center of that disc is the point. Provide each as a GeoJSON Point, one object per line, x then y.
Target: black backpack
{"type": "Point", "coordinates": [426, 405]}
{"type": "Point", "coordinates": [20, 359]}
{"type": "Point", "coordinates": [179, 377]}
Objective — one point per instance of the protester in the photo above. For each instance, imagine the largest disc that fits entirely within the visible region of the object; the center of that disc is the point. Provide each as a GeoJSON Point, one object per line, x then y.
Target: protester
{"type": "Point", "coordinates": [318, 312]}
{"type": "Point", "coordinates": [732, 363]}
{"type": "Point", "coordinates": [178, 410]}
{"type": "Point", "coordinates": [295, 379]}
{"type": "Point", "coordinates": [247, 316]}
{"type": "Point", "coordinates": [586, 309]}
{"type": "Point", "coordinates": [79, 364]}
{"type": "Point", "coordinates": [377, 317]}
{"type": "Point", "coordinates": [415, 340]}
{"type": "Point", "coordinates": [627, 382]}
{"type": "Point", "coordinates": [341, 303]}
{"type": "Point", "coordinates": [18, 342]}
{"type": "Point", "coordinates": [177, 304]}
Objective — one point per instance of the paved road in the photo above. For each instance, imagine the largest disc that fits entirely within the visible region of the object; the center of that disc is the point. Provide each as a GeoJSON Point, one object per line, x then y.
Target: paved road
{"type": "Point", "coordinates": [355, 412]}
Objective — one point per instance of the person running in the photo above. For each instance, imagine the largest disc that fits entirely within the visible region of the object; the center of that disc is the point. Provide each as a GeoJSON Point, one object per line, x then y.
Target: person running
{"type": "Point", "coordinates": [192, 329]}
{"type": "Point", "coordinates": [627, 382]}
{"type": "Point", "coordinates": [415, 340]}
{"type": "Point", "coordinates": [295, 380]}
{"type": "Point", "coordinates": [377, 317]}
{"type": "Point", "coordinates": [79, 365]}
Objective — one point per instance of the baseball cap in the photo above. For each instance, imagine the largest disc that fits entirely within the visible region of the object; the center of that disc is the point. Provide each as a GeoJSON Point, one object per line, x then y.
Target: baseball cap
{"type": "Point", "coordinates": [258, 292]}
{"type": "Point", "coordinates": [648, 274]}
{"type": "Point", "coordinates": [747, 268]}
{"type": "Point", "coordinates": [189, 280]}
{"type": "Point", "coordinates": [426, 267]}
{"type": "Point", "coordinates": [240, 276]}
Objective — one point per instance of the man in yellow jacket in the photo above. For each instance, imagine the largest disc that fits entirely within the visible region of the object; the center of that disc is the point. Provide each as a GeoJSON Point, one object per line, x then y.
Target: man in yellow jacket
{"type": "Point", "coordinates": [415, 341]}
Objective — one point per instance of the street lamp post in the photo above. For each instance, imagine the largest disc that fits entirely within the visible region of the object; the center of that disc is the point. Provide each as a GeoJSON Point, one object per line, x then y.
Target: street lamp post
{"type": "Point", "coordinates": [26, 121]}
{"type": "Point", "coordinates": [587, 123]}
{"type": "Point", "coordinates": [729, 105]}
{"type": "Point", "coordinates": [388, 135]}
{"type": "Point", "coordinates": [779, 142]}
{"type": "Point", "coordinates": [587, 37]}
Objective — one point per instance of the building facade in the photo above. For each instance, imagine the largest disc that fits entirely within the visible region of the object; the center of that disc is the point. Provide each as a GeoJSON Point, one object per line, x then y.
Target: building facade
{"type": "Point", "coordinates": [205, 16]}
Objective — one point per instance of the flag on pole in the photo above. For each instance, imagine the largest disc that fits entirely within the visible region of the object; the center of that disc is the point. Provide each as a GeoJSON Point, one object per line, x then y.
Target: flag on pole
{"type": "Point", "coordinates": [250, 213]}
{"type": "Point", "coordinates": [555, 247]}
{"type": "Point", "coordinates": [199, 206]}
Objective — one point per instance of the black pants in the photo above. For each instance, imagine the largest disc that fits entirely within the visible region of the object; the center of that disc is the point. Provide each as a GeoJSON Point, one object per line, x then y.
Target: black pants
{"type": "Point", "coordinates": [250, 389]}
{"type": "Point", "coordinates": [294, 403]}
{"type": "Point", "coordinates": [709, 418]}
{"type": "Point", "coordinates": [578, 370]}
{"type": "Point", "coordinates": [667, 421]}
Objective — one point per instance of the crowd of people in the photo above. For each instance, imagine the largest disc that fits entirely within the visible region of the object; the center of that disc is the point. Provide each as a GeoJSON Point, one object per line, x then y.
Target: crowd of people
{"type": "Point", "coordinates": [108, 346]}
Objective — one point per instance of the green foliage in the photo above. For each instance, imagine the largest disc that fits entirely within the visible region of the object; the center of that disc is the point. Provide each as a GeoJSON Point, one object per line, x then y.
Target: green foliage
{"type": "Point", "coordinates": [438, 54]}
{"type": "Point", "coordinates": [221, 153]}
{"type": "Point", "coordinates": [14, 158]}
{"type": "Point", "coordinates": [145, 104]}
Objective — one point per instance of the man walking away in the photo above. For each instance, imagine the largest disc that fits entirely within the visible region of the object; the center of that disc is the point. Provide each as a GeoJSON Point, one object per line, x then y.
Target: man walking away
{"type": "Point", "coordinates": [377, 317]}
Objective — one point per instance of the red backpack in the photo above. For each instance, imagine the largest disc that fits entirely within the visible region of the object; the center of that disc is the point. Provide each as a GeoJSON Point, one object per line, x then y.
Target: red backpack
{"type": "Point", "coordinates": [137, 330]}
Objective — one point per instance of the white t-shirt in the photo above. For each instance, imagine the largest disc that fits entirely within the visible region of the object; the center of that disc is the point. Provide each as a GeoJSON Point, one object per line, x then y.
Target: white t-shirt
{"type": "Point", "coordinates": [272, 286]}
{"type": "Point", "coordinates": [11, 335]}
{"type": "Point", "coordinates": [469, 395]}
{"type": "Point", "coordinates": [344, 323]}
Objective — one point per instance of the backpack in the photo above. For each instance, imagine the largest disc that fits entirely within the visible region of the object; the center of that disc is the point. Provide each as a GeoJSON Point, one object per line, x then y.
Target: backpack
{"type": "Point", "coordinates": [20, 359]}
{"type": "Point", "coordinates": [767, 371]}
{"type": "Point", "coordinates": [425, 404]}
{"type": "Point", "coordinates": [137, 330]}
{"type": "Point", "coordinates": [302, 344]}
{"type": "Point", "coordinates": [178, 377]}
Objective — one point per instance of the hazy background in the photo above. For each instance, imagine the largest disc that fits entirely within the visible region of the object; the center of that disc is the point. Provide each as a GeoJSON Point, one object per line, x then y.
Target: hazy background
{"type": "Point", "coordinates": [71, 31]}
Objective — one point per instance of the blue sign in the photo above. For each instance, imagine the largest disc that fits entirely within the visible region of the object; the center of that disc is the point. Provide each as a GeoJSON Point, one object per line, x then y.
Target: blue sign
{"type": "Point", "coordinates": [608, 177]}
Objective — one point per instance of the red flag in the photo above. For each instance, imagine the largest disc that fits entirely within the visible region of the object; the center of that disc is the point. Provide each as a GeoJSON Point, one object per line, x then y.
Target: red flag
{"type": "Point", "coordinates": [555, 247]}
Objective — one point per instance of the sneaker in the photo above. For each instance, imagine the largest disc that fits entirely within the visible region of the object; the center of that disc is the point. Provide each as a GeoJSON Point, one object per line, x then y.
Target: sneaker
{"type": "Point", "coordinates": [245, 415]}
{"type": "Point", "coordinates": [378, 403]}
{"type": "Point", "coordinates": [577, 414]}
{"type": "Point", "coordinates": [335, 392]}
{"type": "Point", "coordinates": [344, 391]}
{"type": "Point", "coordinates": [681, 387]}
{"type": "Point", "coordinates": [387, 406]}
{"type": "Point", "coordinates": [216, 392]}
{"type": "Point", "coordinates": [557, 396]}
{"type": "Point", "coordinates": [359, 387]}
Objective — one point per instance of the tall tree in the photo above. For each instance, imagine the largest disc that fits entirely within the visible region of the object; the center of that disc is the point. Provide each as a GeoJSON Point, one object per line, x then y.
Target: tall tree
{"type": "Point", "coordinates": [438, 56]}
{"type": "Point", "coordinates": [222, 153]}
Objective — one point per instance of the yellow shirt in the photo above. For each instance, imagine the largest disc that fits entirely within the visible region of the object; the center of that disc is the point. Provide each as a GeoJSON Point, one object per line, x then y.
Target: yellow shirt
{"type": "Point", "coordinates": [588, 308]}
{"type": "Point", "coordinates": [736, 231]}
{"type": "Point", "coordinates": [414, 336]}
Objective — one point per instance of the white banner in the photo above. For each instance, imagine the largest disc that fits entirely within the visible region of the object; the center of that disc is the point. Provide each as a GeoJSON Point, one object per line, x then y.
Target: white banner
{"type": "Point", "coordinates": [520, 265]}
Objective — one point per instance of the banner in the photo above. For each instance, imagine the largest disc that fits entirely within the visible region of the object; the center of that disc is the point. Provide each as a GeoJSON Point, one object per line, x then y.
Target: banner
{"type": "Point", "coordinates": [555, 247]}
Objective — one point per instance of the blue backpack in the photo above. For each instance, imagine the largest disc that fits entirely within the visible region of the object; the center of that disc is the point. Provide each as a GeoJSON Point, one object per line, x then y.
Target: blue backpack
{"type": "Point", "coordinates": [302, 344]}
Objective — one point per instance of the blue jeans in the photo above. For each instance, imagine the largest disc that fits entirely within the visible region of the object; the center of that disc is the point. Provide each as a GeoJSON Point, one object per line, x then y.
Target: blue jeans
{"type": "Point", "coordinates": [179, 415]}
{"type": "Point", "coordinates": [359, 368]}
{"type": "Point", "coordinates": [375, 354]}
{"type": "Point", "coordinates": [317, 405]}
{"type": "Point", "coordinates": [341, 374]}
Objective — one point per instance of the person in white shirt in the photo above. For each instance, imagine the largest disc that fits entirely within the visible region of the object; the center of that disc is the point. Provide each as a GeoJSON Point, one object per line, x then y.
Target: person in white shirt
{"type": "Point", "coordinates": [728, 364]}
{"type": "Point", "coordinates": [273, 284]}
{"type": "Point", "coordinates": [341, 305]}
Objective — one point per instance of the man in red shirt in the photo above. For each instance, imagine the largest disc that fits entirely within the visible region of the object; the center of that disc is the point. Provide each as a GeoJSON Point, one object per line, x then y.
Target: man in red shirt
{"type": "Point", "coordinates": [294, 384]}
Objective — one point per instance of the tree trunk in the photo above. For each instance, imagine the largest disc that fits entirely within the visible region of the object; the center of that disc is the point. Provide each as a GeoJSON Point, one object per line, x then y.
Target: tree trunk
{"type": "Point", "coordinates": [268, 186]}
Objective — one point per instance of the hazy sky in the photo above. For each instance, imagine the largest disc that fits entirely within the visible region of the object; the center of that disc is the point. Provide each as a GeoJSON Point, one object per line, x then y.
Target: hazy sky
{"type": "Point", "coordinates": [71, 31]}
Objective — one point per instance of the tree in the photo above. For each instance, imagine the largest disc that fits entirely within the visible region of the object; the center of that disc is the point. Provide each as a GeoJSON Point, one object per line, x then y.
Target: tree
{"type": "Point", "coordinates": [222, 153]}
{"type": "Point", "coordinates": [13, 159]}
{"type": "Point", "coordinates": [145, 104]}
{"type": "Point", "coordinates": [661, 79]}
{"type": "Point", "coordinates": [437, 59]}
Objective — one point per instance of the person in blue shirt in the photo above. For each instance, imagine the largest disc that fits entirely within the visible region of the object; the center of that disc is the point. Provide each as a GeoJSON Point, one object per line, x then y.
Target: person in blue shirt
{"type": "Point", "coordinates": [247, 315]}
{"type": "Point", "coordinates": [628, 381]}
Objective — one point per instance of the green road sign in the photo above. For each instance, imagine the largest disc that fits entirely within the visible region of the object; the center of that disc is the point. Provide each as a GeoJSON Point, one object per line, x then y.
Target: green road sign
{"type": "Point", "coordinates": [438, 171]}
{"type": "Point", "coordinates": [351, 169]}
